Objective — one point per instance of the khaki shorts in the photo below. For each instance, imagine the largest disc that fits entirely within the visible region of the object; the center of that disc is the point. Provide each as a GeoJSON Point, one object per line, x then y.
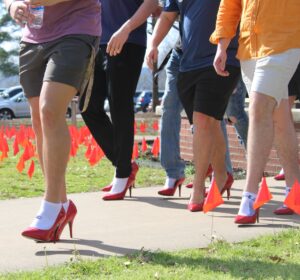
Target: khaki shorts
{"type": "Point", "coordinates": [271, 75]}
{"type": "Point", "coordinates": [68, 60]}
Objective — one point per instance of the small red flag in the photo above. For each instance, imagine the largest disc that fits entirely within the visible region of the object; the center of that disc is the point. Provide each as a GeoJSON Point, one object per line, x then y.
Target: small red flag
{"type": "Point", "coordinates": [293, 198]}
{"type": "Point", "coordinates": [135, 151]}
{"type": "Point", "coordinates": [155, 125]}
{"type": "Point", "coordinates": [213, 198]}
{"type": "Point", "coordinates": [93, 157]}
{"type": "Point", "coordinates": [155, 147]}
{"type": "Point", "coordinates": [263, 195]}
{"type": "Point", "coordinates": [21, 164]}
{"type": "Point", "coordinates": [31, 169]}
{"type": "Point", "coordinates": [144, 145]}
{"type": "Point", "coordinates": [15, 146]}
{"type": "Point", "coordinates": [143, 127]}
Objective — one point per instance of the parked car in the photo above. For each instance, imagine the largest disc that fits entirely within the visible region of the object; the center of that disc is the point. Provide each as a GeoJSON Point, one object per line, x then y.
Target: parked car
{"type": "Point", "coordinates": [1, 90]}
{"type": "Point", "coordinates": [10, 92]}
{"type": "Point", "coordinates": [14, 107]}
{"type": "Point", "coordinates": [18, 107]}
{"type": "Point", "coordinates": [145, 99]}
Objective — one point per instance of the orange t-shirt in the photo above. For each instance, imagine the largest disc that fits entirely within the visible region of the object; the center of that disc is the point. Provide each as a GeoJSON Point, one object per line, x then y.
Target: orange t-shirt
{"type": "Point", "coordinates": [266, 26]}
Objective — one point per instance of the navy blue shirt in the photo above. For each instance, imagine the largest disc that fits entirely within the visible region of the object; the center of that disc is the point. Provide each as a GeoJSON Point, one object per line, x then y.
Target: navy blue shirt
{"type": "Point", "coordinates": [115, 13]}
{"type": "Point", "coordinates": [198, 20]}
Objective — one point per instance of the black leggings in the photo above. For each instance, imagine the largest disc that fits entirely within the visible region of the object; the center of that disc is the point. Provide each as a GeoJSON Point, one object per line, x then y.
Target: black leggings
{"type": "Point", "coordinates": [115, 78]}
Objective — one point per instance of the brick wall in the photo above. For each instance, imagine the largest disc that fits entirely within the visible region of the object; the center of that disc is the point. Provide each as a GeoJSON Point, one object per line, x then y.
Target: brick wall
{"type": "Point", "coordinates": [237, 152]}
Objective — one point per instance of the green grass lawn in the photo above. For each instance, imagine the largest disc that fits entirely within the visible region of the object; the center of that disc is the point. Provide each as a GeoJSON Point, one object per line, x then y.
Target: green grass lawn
{"type": "Point", "coordinates": [270, 257]}
{"type": "Point", "coordinates": [81, 177]}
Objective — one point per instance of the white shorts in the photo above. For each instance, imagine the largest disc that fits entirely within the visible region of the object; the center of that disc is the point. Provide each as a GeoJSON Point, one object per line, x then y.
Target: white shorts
{"type": "Point", "coordinates": [271, 75]}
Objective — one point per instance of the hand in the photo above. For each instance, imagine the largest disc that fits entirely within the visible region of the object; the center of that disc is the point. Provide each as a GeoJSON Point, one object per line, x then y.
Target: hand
{"type": "Point", "coordinates": [117, 41]}
{"type": "Point", "coordinates": [220, 62]}
{"type": "Point", "coordinates": [156, 13]}
{"type": "Point", "coordinates": [151, 57]}
{"type": "Point", "coordinates": [36, 3]}
{"type": "Point", "coordinates": [19, 11]}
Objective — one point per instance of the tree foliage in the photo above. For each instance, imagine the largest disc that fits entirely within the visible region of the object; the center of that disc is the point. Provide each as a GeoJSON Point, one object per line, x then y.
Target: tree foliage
{"type": "Point", "coordinates": [8, 27]}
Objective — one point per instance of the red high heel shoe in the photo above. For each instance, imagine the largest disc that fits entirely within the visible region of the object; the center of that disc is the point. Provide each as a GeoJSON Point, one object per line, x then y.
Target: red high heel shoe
{"type": "Point", "coordinates": [171, 191]}
{"type": "Point", "coordinates": [283, 211]}
{"type": "Point", "coordinates": [208, 174]}
{"type": "Point", "coordinates": [107, 188]}
{"type": "Point", "coordinates": [195, 207]}
{"type": "Point", "coordinates": [280, 177]}
{"type": "Point", "coordinates": [70, 215]}
{"type": "Point", "coordinates": [48, 234]}
{"type": "Point", "coordinates": [227, 186]}
{"type": "Point", "coordinates": [246, 220]}
{"type": "Point", "coordinates": [134, 170]}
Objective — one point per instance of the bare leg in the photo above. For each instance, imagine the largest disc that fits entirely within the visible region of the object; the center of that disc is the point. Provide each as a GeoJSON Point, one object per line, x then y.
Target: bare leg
{"type": "Point", "coordinates": [207, 135]}
{"type": "Point", "coordinates": [260, 138]}
{"type": "Point", "coordinates": [54, 100]}
{"type": "Point", "coordinates": [37, 127]}
{"type": "Point", "coordinates": [286, 142]}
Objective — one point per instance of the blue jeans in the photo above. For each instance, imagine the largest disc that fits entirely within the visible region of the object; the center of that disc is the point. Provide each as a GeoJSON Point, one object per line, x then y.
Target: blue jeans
{"type": "Point", "coordinates": [171, 121]}
{"type": "Point", "coordinates": [236, 109]}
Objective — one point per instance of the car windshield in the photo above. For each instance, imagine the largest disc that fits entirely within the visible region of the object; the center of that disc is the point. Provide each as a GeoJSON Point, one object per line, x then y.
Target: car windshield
{"type": "Point", "coordinates": [10, 92]}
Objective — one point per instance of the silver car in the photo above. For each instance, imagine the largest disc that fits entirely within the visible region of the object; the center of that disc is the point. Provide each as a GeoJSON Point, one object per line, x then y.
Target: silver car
{"type": "Point", "coordinates": [14, 107]}
{"type": "Point", "coordinates": [18, 107]}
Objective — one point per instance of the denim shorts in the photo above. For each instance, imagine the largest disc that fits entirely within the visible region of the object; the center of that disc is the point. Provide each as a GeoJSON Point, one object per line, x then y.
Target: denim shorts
{"type": "Point", "coordinates": [65, 60]}
{"type": "Point", "coordinates": [271, 75]}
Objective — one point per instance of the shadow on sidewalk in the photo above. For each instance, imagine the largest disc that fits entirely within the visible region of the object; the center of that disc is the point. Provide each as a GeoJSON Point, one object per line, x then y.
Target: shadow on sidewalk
{"type": "Point", "coordinates": [85, 252]}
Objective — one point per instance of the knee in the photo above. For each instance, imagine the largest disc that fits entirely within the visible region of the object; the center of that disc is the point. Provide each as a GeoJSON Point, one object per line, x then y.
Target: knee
{"type": "Point", "coordinates": [49, 118]}
{"type": "Point", "coordinates": [36, 123]}
{"type": "Point", "coordinates": [261, 109]}
{"type": "Point", "coordinates": [203, 121]}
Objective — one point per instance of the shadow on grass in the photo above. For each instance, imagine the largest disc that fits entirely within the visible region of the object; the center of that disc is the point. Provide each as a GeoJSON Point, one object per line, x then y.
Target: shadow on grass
{"type": "Point", "coordinates": [238, 266]}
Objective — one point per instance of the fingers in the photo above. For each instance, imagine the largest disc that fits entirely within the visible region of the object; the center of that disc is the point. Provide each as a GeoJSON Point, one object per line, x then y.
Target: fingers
{"type": "Point", "coordinates": [19, 12]}
{"type": "Point", "coordinates": [219, 65]}
{"type": "Point", "coordinates": [113, 48]}
{"type": "Point", "coordinates": [151, 58]}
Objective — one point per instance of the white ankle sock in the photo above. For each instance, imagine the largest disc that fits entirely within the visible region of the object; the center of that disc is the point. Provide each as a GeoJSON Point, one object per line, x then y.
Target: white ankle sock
{"type": "Point", "coordinates": [119, 185]}
{"type": "Point", "coordinates": [281, 171]}
{"type": "Point", "coordinates": [169, 184]}
{"type": "Point", "coordinates": [47, 215]}
{"type": "Point", "coordinates": [246, 207]}
{"type": "Point", "coordinates": [287, 191]}
{"type": "Point", "coordinates": [66, 205]}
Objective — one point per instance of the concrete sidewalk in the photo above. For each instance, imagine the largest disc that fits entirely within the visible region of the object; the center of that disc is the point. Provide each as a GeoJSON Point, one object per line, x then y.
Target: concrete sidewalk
{"type": "Point", "coordinates": [121, 227]}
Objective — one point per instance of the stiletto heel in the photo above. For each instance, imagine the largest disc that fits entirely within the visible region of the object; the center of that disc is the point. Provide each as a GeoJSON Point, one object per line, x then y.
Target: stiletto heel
{"type": "Point", "coordinates": [171, 191]}
{"type": "Point", "coordinates": [71, 228]}
{"type": "Point", "coordinates": [129, 185]}
{"type": "Point", "coordinates": [227, 186]}
{"type": "Point", "coordinates": [121, 195]}
{"type": "Point", "coordinates": [48, 234]}
{"type": "Point", "coordinates": [69, 219]}
{"type": "Point", "coordinates": [228, 194]}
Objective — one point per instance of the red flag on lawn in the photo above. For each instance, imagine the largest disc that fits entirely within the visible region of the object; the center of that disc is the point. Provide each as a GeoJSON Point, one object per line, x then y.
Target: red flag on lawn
{"type": "Point", "coordinates": [293, 198]}
{"type": "Point", "coordinates": [31, 169]}
{"type": "Point", "coordinates": [88, 151]}
{"type": "Point", "coordinates": [155, 147]}
{"type": "Point", "coordinates": [16, 146]}
{"type": "Point", "coordinates": [21, 164]}
{"type": "Point", "coordinates": [93, 157]}
{"type": "Point", "coordinates": [213, 198]}
{"type": "Point", "coordinates": [263, 195]}
{"type": "Point", "coordinates": [143, 127]}
{"type": "Point", "coordinates": [135, 151]}
{"type": "Point", "coordinates": [144, 145]}
{"type": "Point", "coordinates": [155, 125]}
